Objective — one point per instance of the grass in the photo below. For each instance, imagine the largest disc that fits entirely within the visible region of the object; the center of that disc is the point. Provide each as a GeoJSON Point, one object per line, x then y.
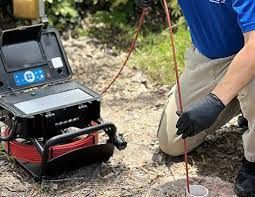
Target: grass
{"type": "Point", "coordinates": [153, 53]}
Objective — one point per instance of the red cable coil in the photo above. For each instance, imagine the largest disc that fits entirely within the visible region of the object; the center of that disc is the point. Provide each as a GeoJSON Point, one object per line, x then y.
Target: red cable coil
{"type": "Point", "coordinates": [29, 153]}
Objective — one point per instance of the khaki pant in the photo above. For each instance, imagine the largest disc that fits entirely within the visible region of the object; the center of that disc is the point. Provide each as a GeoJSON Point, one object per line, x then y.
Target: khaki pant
{"type": "Point", "coordinates": [199, 78]}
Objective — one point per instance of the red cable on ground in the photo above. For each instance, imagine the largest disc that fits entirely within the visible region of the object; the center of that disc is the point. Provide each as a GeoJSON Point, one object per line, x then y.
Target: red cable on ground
{"type": "Point", "coordinates": [178, 86]}
{"type": "Point", "coordinates": [130, 50]}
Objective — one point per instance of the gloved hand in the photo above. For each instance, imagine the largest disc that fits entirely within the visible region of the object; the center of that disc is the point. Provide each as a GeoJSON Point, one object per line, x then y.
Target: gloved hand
{"type": "Point", "coordinates": [199, 116]}
{"type": "Point", "coordinates": [143, 3]}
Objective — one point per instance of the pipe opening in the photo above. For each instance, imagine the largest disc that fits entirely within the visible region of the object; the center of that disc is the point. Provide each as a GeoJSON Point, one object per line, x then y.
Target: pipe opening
{"type": "Point", "coordinates": [197, 191]}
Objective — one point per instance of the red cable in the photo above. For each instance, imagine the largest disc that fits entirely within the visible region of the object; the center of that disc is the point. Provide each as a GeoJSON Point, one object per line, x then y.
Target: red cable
{"type": "Point", "coordinates": [130, 49]}
{"type": "Point", "coordinates": [176, 74]}
{"type": "Point", "coordinates": [28, 153]}
{"type": "Point", "coordinates": [178, 87]}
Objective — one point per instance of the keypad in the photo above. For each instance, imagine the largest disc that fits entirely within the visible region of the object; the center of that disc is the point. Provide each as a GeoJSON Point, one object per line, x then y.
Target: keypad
{"type": "Point", "coordinates": [29, 77]}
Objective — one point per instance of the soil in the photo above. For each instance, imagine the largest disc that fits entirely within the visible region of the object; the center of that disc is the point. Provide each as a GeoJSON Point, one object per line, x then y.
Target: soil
{"type": "Point", "coordinates": [134, 104]}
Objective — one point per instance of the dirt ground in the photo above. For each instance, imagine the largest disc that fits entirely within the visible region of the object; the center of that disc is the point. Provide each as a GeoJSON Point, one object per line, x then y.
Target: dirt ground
{"type": "Point", "coordinates": [134, 104]}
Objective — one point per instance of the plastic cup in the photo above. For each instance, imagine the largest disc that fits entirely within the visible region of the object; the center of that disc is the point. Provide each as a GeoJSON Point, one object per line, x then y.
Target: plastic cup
{"type": "Point", "coordinates": [197, 191]}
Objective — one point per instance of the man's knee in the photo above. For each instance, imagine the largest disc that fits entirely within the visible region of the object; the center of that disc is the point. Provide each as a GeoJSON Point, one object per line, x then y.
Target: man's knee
{"type": "Point", "coordinates": [171, 148]}
{"type": "Point", "coordinates": [169, 142]}
{"type": "Point", "coordinates": [174, 145]}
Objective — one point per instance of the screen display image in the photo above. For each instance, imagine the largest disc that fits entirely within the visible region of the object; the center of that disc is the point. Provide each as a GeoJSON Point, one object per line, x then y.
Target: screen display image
{"type": "Point", "coordinates": [20, 56]}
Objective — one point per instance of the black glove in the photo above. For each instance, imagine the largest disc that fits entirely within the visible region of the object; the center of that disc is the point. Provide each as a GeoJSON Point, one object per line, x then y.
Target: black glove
{"type": "Point", "coordinates": [143, 3]}
{"type": "Point", "coordinates": [199, 116]}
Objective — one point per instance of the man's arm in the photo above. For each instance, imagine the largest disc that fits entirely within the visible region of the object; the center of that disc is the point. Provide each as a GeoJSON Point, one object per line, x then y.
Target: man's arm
{"type": "Point", "coordinates": [203, 113]}
{"type": "Point", "coordinates": [241, 71]}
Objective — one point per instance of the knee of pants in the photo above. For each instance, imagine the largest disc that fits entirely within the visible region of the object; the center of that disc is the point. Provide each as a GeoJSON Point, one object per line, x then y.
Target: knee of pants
{"type": "Point", "coordinates": [169, 142]}
{"type": "Point", "coordinates": [171, 148]}
{"type": "Point", "coordinates": [174, 146]}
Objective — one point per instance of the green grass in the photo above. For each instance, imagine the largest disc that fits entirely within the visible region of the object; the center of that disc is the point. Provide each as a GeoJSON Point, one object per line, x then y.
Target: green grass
{"type": "Point", "coordinates": [153, 52]}
{"type": "Point", "coordinates": [154, 55]}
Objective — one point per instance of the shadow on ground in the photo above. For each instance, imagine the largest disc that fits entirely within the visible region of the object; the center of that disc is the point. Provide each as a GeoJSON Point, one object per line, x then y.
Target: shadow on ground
{"type": "Point", "coordinates": [219, 156]}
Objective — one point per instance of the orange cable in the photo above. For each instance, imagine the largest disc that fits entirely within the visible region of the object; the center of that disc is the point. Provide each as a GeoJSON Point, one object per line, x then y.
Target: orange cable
{"type": "Point", "coordinates": [130, 50]}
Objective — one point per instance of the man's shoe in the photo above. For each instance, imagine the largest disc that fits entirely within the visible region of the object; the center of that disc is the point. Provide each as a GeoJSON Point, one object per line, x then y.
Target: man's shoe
{"type": "Point", "coordinates": [245, 180]}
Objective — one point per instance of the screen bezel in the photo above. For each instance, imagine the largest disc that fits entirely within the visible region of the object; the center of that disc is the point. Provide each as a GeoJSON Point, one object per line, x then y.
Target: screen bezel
{"type": "Point", "coordinates": [25, 65]}
{"type": "Point", "coordinates": [22, 35]}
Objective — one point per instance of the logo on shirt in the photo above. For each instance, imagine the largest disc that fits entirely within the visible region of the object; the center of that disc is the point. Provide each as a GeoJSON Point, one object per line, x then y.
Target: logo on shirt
{"type": "Point", "coordinates": [218, 1]}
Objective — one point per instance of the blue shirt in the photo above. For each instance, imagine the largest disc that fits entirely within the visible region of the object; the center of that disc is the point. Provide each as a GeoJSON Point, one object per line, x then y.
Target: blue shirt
{"type": "Point", "coordinates": [217, 26]}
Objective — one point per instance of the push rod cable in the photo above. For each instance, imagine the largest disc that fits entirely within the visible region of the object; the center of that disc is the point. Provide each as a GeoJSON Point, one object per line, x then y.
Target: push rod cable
{"type": "Point", "coordinates": [141, 20]}
{"type": "Point", "coordinates": [168, 16]}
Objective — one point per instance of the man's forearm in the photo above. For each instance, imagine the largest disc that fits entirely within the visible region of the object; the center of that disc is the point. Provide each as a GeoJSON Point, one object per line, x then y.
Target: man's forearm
{"type": "Point", "coordinates": [241, 71]}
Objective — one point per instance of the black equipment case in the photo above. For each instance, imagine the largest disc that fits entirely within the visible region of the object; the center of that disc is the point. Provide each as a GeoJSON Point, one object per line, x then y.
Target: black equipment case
{"type": "Point", "coordinates": [52, 122]}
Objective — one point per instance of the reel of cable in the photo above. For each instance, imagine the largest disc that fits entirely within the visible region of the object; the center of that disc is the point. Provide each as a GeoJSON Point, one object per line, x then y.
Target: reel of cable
{"type": "Point", "coordinates": [25, 151]}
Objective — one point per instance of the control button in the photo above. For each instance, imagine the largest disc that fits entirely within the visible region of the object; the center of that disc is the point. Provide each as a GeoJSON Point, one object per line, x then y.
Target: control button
{"type": "Point", "coordinates": [29, 76]}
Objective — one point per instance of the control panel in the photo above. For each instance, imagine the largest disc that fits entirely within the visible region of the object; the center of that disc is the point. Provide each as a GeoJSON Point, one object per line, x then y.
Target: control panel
{"type": "Point", "coordinates": [39, 59]}
{"type": "Point", "coordinates": [29, 77]}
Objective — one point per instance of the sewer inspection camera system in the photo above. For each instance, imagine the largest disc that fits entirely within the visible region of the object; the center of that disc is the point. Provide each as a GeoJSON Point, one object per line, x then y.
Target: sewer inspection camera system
{"type": "Point", "coordinates": [50, 122]}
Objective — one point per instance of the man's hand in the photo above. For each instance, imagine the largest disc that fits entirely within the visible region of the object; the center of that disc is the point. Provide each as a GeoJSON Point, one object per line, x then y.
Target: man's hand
{"type": "Point", "coordinates": [143, 3]}
{"type": "Point", "coordinates": [199, 116]}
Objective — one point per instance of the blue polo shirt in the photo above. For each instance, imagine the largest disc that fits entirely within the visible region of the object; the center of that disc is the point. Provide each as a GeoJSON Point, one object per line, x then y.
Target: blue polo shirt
{"type": "Point", "coordinates": [217, 26]}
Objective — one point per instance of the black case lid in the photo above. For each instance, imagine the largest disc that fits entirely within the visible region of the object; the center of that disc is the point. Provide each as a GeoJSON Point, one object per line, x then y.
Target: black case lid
{"type": "Point", "coordinates": [29, 48]}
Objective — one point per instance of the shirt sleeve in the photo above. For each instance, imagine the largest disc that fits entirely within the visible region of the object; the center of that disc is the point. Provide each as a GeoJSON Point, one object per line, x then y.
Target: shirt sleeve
{"type": "Point", "coordinates": [245, 10]}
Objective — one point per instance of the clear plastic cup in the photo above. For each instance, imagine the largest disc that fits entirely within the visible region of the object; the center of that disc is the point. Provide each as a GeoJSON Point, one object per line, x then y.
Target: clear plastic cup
{"type": "Point", "coordinates": [197, 191]}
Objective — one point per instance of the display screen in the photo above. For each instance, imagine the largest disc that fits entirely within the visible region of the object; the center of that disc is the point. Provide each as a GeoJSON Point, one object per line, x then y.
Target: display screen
{"type": "Point", "coordinates": [29, 77]}
{"type": "Point", "coordinates": [23, 55]}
